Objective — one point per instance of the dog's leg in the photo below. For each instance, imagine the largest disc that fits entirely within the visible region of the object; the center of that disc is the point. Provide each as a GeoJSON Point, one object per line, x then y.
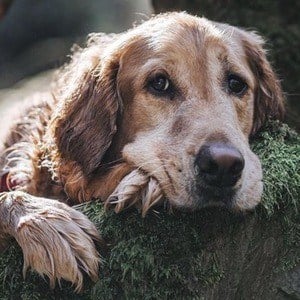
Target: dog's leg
{"type": "Point", "coordinates": [57, 241]}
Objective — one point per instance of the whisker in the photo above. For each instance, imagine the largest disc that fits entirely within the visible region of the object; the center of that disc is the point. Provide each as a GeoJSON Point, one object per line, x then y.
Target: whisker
{"type": "Point", "coordinates": [113, 162]}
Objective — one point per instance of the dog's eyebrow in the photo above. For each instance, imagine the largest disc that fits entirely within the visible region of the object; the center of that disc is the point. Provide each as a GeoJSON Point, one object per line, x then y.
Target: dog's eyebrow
{"type": "Point", "coordinates": [230, 67]}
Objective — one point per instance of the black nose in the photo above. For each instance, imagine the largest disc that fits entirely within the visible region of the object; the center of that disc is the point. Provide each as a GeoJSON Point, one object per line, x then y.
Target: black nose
{"type": "Point", "coordinates": [219, 164]}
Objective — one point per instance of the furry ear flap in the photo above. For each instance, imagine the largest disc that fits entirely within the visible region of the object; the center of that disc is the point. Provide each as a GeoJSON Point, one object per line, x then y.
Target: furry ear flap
{"type": "Point", "coordinates": [86, 121]}
{"type": "Point", "coordinates": [269, 99]}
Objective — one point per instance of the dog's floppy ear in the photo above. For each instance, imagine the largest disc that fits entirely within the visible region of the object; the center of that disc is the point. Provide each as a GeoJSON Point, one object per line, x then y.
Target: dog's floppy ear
{"type": "Point", "coordinates": [85, 121]}
{"type": "Point", "coordinates": [269, 99]}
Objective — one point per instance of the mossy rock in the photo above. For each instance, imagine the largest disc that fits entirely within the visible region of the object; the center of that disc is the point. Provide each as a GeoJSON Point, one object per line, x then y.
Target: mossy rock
{"type": "Point", "coordinates": [209, 254]}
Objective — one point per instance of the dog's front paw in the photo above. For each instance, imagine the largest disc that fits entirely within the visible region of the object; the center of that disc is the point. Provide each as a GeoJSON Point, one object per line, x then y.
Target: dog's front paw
{"type": "Point", "coordinates": [136, 188]}
{"type": "Point", "coordinates": [57, 241]}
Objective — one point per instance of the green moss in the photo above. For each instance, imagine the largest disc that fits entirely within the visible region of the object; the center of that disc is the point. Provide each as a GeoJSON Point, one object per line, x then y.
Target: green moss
{"type": "Point", "coordinates": [181, 255]}
{"type": "Point", "coordinates": [279, 150]}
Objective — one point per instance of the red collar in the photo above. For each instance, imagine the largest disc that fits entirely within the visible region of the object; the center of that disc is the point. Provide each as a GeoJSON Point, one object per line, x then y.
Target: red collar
{"type": "Point", "coordinates": [5, 182]}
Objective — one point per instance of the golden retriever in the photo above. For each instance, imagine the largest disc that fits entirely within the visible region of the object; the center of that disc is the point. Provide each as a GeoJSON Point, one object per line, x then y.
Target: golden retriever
{"type": "Point", "coordinates": [162, 111]}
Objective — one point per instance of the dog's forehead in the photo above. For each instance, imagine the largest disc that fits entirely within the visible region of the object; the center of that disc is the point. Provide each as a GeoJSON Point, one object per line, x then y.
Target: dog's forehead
{"type": "Point", "coordinates": [178, 36]}
{"type": "Point", "coordinates": [184, 33]}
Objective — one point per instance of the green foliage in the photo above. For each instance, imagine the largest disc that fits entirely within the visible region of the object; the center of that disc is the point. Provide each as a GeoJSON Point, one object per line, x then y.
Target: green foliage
{"type": "Point", "coordinates": [153, 257]}
{"type": "Point", "coordinates": [182, 255]}
{"type": "Point", "coordinates": [280, 158]}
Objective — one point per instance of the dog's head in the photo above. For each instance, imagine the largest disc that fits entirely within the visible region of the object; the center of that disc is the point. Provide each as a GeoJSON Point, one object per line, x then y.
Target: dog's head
{"type": "Point", "coordinates": [176, 97]}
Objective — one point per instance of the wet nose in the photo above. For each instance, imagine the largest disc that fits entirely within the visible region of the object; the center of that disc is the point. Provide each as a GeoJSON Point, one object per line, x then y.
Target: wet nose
{"type": "Point", "coordinates": [219, 164]}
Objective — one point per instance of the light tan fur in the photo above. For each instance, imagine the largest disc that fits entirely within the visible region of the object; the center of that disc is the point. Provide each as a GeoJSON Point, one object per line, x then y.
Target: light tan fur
{"type": "Point", "coordinates": [100, 134]}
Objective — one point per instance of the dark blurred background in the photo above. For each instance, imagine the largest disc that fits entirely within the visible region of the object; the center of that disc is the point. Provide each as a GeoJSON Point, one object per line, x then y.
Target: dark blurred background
{"type": "Point", "coordinates": [36, 35]}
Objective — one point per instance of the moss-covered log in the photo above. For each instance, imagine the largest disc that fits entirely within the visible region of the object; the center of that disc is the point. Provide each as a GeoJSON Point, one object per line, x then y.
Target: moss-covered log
{"type": "Point", "coordinates": [210, 254]}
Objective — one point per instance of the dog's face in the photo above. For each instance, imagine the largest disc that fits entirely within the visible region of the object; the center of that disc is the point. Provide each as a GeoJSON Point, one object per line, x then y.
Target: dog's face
{"type": "Point", "coordinates": [192, 92]}
{"type": "Point", "coordinates": [190, 108]}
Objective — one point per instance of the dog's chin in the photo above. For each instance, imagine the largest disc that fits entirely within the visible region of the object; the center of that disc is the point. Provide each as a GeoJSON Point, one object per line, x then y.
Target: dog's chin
{"type": "Point", "coordinates": [237, 200]}
{"type": "Point", "coordinates": [207, 196]}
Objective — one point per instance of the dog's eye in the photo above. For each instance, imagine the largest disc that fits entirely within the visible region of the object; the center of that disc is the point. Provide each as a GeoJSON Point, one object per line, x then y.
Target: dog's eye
{"type": "Point", "coordinates": [160, 85]}
{"type": "Point", "coordinates": [236, 85]}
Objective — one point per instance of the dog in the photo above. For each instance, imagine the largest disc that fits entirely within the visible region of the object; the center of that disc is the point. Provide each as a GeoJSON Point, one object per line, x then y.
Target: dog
{"type": "Point", "coordinates": [162, 111]}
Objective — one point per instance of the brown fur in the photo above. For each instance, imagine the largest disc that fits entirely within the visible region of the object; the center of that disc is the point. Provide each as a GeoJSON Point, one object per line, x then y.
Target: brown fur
{"type": "Point", "coordinates": [102, 134]}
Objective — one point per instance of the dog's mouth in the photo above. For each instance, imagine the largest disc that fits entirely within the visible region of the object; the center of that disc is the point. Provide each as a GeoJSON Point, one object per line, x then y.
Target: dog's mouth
{"type": "Point", "coordinates": [207, 195]}
{"type": "Point", "coordinates": [198, 193]}
{"type": "Point", "coordinates": [145, 191]}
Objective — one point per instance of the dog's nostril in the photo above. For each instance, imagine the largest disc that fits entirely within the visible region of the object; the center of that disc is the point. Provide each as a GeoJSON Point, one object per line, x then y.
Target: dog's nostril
{"type": "Point", "coordinates": [207, 165]}
{"type": "Point", "coordinates": [237, 166]}
{"type": "Point", "coordinates": [219, 164]}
